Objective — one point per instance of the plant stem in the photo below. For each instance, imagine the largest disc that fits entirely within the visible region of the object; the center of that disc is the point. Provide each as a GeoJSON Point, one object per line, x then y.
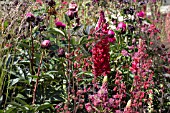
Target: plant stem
{"type": "Point", "coordinates": [32, 51]}
{"type": "Point", "coordinates": [68, 68]}
{"type": "Point", "coordinates": [36, 84]}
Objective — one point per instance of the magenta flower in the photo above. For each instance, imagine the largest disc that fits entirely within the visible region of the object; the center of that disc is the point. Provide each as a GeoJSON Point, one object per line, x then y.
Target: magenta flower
{"type": "Point", "coordinates": [29, 14]}
{"type": "Point", "coordinates": [45, 44]}
{"type": "Point", "coordinates": [73, 6]}
{"type": "Point", "coordinates": [111, 37]}
{"type": "Point", "coordinates": [88, 107]}
{"type": "Point", "coordinates": [122, 26]}
{"type": "Point", "coordinates": [111, 33]}
{"type": "Point", "coordinates": [112, 40]}
{"type": "Point", "coordinates": [64, 3]}
{"type": "Point", "coordinates": [30, 17]}
{"type": "Point", "coordinates": [59, 24]}
{"type": "Point", "coordinates": [141, 14]}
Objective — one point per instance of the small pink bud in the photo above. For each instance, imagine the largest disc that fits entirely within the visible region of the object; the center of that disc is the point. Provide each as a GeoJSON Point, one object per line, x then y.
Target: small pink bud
{"type": "Point", "coordinates": [45, 44]}
{"type": "Point", "coordinates": [151, 43]}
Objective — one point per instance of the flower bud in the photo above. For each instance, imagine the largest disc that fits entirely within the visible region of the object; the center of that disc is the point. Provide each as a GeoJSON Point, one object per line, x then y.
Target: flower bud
{"type": "Point", "coordinates": [61, 52]}
{"type": "Point", "coordinates": [51, 3]}
{"type": "Point", "coordinates": [45, 44]}
{"type": "Point", "coordinates": [59, 24]}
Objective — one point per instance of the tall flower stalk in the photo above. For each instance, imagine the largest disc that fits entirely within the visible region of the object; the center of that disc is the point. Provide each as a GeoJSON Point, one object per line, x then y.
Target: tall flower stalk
{"type": "Point", "coordinates": [100, 51]}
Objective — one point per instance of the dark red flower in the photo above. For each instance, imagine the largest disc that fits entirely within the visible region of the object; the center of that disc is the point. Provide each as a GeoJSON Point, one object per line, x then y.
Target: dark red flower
{"type": "Point", "coordinates": [100, 51]}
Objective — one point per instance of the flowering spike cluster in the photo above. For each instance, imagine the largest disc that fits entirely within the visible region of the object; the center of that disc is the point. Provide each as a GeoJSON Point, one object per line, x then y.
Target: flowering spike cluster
{"type": "Point", "coordinates": [143, 78]}
{"type": "Point", "coordinates": [100, 100]}
{"type": "Point", "coordinates": [100, 51]}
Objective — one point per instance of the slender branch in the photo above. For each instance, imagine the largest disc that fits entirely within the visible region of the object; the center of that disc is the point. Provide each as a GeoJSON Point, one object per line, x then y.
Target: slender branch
{"type": "Point", "coordinates": [68, 71]}
{"type": "Point", "coordinates": [32, 50]}
{"type": "Point", "coordinates": [36, 84]}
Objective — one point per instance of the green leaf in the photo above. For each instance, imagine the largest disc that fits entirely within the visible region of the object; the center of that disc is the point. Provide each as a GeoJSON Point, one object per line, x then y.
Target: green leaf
{"type": "Point", "coordinates": [73, 40]}
{"type": "Point", "coordinates": [131, 75]}
{"type": "Point", "coordinates": [44, 106]}
{"type": "Point", "coordinates": [67, 19]}
{"type": "Point", "coordinates": [17, 105]}
{"type": "Point", "coordinates": [21, 101]}
{"type": "Point", "coordinates": [10, 72]}
{"type": "Point", "coordinates": [35, 29]}
{"type": "Point", "coordinates": [20, 96]}
{"type": "Point", "coordinates": [24, 45]}
{"type": "Point", "coordinates": [6, 24]}
{"type": "Point", "coordinates": [33, 76]}
{"type": "Point", "coordinates": [57, 31]}
{"type": "Point", "coordinates": [83, 39]}
{"type": "Point", "coordinates": [10, 110]}
{"type": "Point", "coordinates": [14, 81]}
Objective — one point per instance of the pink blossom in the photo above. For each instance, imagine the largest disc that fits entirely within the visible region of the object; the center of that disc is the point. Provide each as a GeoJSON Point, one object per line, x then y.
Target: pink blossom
{"type": "Point", "coordinates": [122, 26]}
{"type": "Point", "coordinates": [59, 24]}
{"type": "Point", "coordinates": [124, 53]}
{"type": "Point", "coordinates": [88, 107]}
{"type": "Point", "coordinates": [111, 33]}
{"type": "Point", "coordinates": [73, 10]}
{"type": "Point", "coordinates": [65, 3]}
{"type": "Point", "coordinates": [39, 1]}
{"type": "Point", "coordinates": [45, 44]}
{"type": "Point", "coordinates": [141, 14]}
{"type": "Point", "coordinates": [29, 14]}
{"type": "Point", "coordinates": [112, 40]}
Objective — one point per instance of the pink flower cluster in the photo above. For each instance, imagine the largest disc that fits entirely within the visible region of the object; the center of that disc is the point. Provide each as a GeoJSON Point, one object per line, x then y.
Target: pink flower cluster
{"type": "Point", "coordinates": [143, 78]}
{"type": "Point", "coordinates": [101, 102]}
{"type": "Point", "coordinates": [100, 51]}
